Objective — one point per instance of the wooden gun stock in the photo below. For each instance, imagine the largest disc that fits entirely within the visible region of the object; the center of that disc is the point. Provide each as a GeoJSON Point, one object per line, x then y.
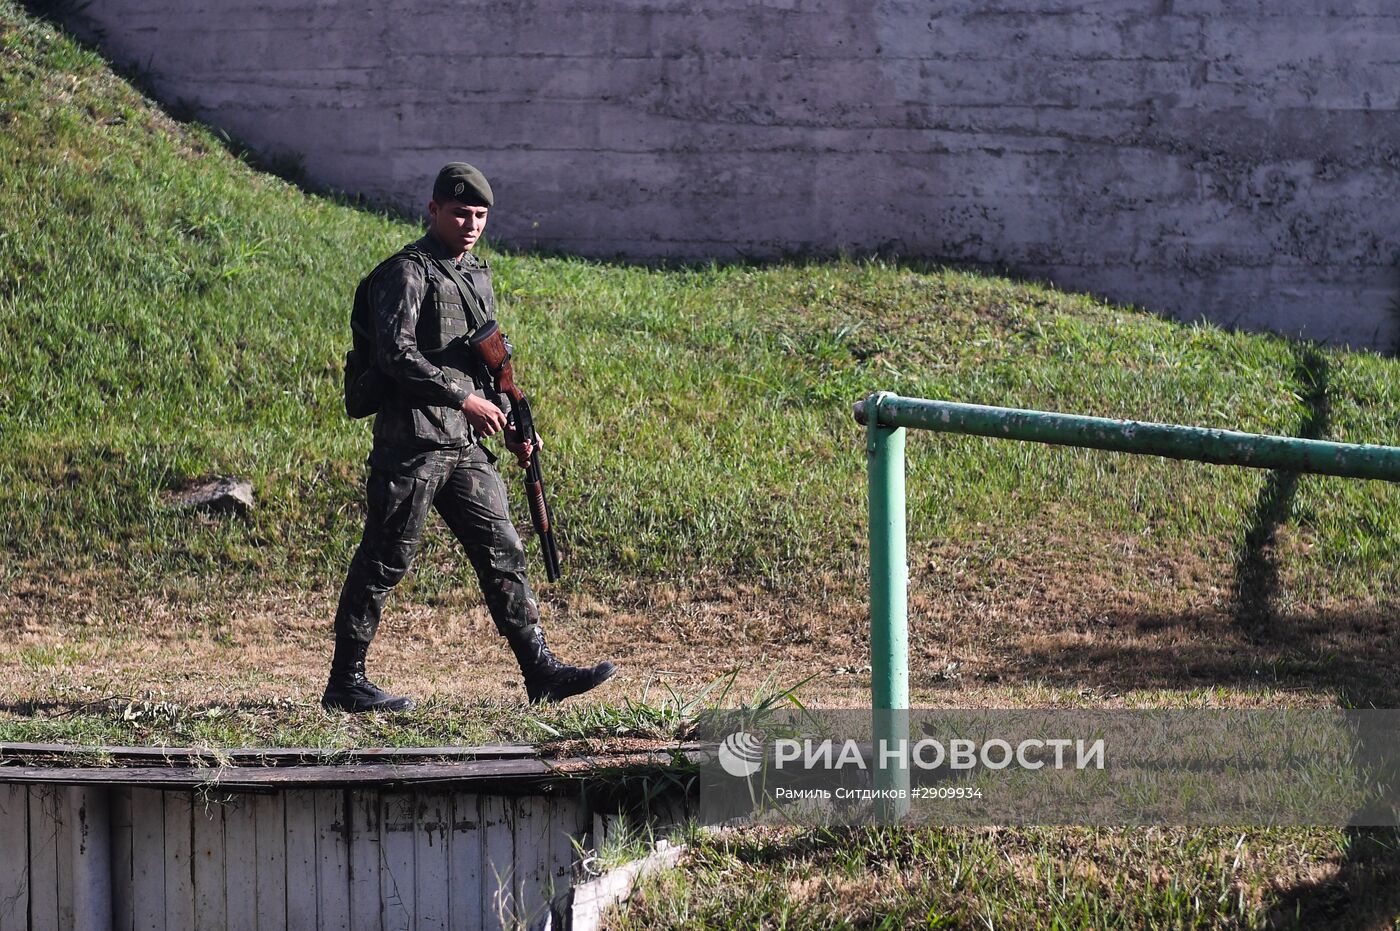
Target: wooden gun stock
{"type": "Point", "coordinates": [490, 348]}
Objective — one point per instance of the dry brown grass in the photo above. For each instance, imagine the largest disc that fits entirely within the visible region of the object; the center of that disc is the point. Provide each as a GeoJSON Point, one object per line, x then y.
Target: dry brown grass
{"type": "Point", "coordinates": [1017, 631]}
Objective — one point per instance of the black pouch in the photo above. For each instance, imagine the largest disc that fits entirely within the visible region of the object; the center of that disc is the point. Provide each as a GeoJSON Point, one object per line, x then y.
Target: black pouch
{"type": "Point", "coordinates": [365, 385]}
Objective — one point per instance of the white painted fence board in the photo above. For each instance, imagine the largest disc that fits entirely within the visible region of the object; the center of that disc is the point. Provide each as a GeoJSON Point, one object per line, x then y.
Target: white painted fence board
{"type": "Point", "coordinates": [269, 818]}
{"type": "Point", "coordinates": [179, 866]}
{"type": "Point", "coordinates": [396, 849]}
{"type": "Point", "coordinates": [241, 863]}
{"type": "Point", "coordinates": [567, 825]}
{"type": "Point", "coordinates": [66, 817]}
{"type": "Point", "coordinates": [531, 857]}
{"type": "Point", "coordinates": [332, 861]}
{"type": "Point", "coordinates": [207, 857]}
{"type": "Point", "coordinates": [432, 891]}
{"type": "Point", "coordinates": [88, 817]}
{"type": "Point", "coordinates": [498, 866]}
{"type": "Point", "coordinates": [148, 859]}
{"type": "Point", "coordinates": [123, 918]}
{"type": "Point", "coordinates": [301, 859]}
{"type": "Point", "coordinates": [464, 863]}
{"type": "Point", "coordinates": [14, 858]}
{"type": "Point", "coordinates": [43, 859]}
{"type": "Point", "coordinates": [353, 859]}
{"type": "Point", "coordinates": [365, 910]}
{"type": "Point", "coordinates": [598, 833]}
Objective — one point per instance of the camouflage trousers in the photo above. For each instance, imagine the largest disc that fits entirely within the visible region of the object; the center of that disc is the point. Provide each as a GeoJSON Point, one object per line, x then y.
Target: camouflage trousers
{"type": "Point", "coordinates": [462, 484]}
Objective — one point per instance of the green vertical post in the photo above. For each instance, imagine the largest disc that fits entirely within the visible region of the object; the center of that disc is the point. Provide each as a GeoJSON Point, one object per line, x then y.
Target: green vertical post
{"type": "Point", "coordinates": [889, 607]}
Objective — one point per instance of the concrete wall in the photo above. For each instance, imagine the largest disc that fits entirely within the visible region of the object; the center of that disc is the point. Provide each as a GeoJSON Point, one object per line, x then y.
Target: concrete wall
{"type": "Point", "coordinates": [1238, 159]}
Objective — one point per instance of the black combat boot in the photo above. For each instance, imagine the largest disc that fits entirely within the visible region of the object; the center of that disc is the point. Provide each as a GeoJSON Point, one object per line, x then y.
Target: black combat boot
{"type": "Point", "coordinates": [547, 679]}
{"type": "Point", "coordinates": [349, 690]}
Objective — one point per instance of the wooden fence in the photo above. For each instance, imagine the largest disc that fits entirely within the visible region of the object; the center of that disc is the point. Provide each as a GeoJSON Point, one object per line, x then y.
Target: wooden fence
{"type": "Point", "coordinates": [254, 852]}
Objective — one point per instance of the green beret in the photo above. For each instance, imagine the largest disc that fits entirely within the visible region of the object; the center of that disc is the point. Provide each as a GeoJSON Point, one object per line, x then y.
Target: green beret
{"type": "Point", "coordinates": [461, 182]}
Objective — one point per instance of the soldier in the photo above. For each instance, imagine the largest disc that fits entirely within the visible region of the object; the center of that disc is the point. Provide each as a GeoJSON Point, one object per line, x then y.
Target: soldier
{"type": "Point", "coordinates": [426, 299]}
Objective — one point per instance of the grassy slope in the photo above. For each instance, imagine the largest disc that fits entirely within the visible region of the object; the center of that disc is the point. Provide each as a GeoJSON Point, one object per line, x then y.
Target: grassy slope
{"type": "Point", "coordinates": [166, 313]}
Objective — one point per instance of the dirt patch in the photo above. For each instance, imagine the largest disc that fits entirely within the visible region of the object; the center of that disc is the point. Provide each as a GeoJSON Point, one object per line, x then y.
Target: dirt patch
{"type": "Point", "coordinates": [1020, 628]}
{"type": "Point", "coordinates": [228, 647]}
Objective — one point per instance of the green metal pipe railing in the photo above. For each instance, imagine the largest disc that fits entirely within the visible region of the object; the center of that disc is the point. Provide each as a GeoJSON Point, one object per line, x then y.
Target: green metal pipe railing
{"type": "Point", "coordinates": [889, 591]}
{"type": "Point", "coordinates": [885, 416]}
{"type": "Point", "coordinates": [1201, 444]}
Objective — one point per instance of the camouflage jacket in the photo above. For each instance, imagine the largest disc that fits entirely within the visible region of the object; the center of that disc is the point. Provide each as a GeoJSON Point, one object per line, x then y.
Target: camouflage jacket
{"type": "Point", "coordinates": [422, 319]}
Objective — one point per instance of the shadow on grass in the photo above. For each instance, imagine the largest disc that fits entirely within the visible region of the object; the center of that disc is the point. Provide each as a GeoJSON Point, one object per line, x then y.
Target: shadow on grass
{"type": "Point", "coordinates": [1365, 890]}
{"type": "Point", "coordinates": [1348, 652]}
{"type": "Point", "coordinates": [1256, 568]}
{"type": "Point", "coordinates": [1363, 894]}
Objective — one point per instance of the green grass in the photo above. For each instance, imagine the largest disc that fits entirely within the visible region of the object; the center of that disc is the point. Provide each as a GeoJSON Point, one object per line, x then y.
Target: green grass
{"type": "Point", "coordinates": [159, 722]}
{"type": "Point", "coordinates": [166, 313]}
{"type": "Point", "coordinates": [998, 878]}
{"type": "Point", "coordinates": [662, 716]}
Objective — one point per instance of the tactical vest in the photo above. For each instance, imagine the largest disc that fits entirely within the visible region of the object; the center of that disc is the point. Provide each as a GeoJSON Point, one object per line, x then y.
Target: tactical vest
{"type": "Point", "coordinates": [459, 302]}
{"type": "Point", "coordinates": [456, 303]}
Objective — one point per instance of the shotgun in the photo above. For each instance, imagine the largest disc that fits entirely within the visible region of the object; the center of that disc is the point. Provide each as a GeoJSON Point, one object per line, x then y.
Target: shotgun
{"type": "Point", "coordinates": [491, 349]}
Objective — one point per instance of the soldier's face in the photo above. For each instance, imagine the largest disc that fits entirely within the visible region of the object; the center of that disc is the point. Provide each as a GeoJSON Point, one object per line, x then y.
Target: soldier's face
{"type": "Point", "coordinates": [455, 224]}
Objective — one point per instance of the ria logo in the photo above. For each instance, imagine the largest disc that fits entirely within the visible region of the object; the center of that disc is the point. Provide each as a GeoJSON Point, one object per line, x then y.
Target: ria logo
{"type": "Point", "coordinates": [741, 754]}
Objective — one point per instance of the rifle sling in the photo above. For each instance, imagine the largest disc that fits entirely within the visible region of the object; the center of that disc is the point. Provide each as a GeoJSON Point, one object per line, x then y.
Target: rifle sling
{"type": "Point", "coordinates": [470, 296]}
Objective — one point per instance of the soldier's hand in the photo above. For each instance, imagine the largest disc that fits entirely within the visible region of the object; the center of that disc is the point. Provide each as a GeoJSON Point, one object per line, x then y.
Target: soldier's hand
{"type": "Point", "coordinates": [523, 451]}
{"type": "Point", "coordinates": [485, 417]}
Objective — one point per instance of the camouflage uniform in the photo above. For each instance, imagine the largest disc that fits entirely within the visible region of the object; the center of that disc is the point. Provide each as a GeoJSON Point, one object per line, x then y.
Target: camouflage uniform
{"type": "Point", "coordinates": [425, 453]}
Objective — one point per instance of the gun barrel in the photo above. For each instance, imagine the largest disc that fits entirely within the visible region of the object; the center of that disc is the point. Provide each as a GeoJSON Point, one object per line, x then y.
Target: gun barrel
{"type": "Point", "coordinates": [491, 349]}
{"type": "Point", "coordinates": [539, 516]}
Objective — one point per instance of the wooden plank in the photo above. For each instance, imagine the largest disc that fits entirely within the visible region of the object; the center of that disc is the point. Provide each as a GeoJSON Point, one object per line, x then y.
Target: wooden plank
{"type": "Point", "coordinates": [531, 857]}
{"type": "Point", "coordinates": [14, 858]}
{"type": "Point", "coordinates": [241, 863]}
{"type": "Point", "coordinates": [66, 816]}
{"type": "Point", "coordinates": [88, 826]}
{"type": "Point", "coordinates": [497, 866]}
{"type": "Point", "coordinates": [123, 917]}
{"type": "Point", "coordinates": [332, 860]}
{"type": "Point", "coordinates": [207, 857]}
{"type": "Point", "coordinates": [396, 850]}
{"type": "Point", "coordinates": [365, 908]}
{"type": "Point", "coordinates": [478, 752]}
{"type": "Point", "coordinates": [148, 859]}
{"type": "Point", "coordinates": [301, 859]}
{"type": "Point", "coordinates": [506, 774]}
{"type": "Point", "coordinates": [43, 858]}
{"type": "Point", "coordinates": [269, 817]}
{"type": "Point", "coordinates": [278, 756]}
{"type": "Point", "coordinates": [567, 825]}
{"type": "Point", "coordinates": [431, 890]}
{"type": "Point", "coordinates": [179, 861]}
{"type": "Point", "coordinates": [598, 836]}
{"type": "Point", "coordinates": [464, 863]}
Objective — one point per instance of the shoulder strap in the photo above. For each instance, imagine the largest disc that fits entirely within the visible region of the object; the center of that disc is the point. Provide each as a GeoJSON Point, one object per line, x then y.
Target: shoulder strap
{"type": "Point", "coordinates": [362, 290]}
{"type": "Point", "coordinates": [412, 251]}
{"type": "Point", "coordinates": [471, 299]}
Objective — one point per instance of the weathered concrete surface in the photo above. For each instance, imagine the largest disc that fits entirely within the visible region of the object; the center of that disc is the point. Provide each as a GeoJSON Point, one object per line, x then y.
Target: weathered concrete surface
{"type": "Point", "coordinates": [1235, 159]}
